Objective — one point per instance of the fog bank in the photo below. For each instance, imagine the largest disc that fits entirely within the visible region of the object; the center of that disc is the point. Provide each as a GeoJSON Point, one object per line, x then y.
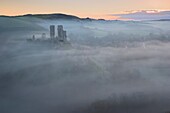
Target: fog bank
{"type": "Point", "coordinates": [110, 67]}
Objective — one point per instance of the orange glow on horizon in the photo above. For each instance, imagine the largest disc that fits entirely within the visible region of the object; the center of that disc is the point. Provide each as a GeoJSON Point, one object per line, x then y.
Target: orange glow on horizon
{"type": "Point", "coordinates": [107, 17]}
{"type": "Point", "coordinates": [97, 9]}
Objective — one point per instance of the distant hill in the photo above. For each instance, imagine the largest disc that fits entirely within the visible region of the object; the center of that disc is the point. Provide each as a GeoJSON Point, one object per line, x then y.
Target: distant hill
{"type": "Point", "coordinates": [55, 16]}
{"type": "Point", "coordinates": [8, 24]}
{"type": "Point", "coordinates": [51, 16]}
{"type": "Point", "coordinates": [29, 21]}
{"type": "Point", "coordinates": [163, 20]}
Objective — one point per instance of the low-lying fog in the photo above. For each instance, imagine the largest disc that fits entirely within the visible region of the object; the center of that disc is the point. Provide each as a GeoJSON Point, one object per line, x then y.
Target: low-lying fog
{"type": "Point", "coordinates": [111, 67]}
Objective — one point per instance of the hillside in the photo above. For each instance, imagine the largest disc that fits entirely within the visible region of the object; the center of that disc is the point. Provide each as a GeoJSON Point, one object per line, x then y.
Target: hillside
{"type": "Point", "coordinates": [9, 24]}
{"type": "Point", "coordinates": [51, 16]}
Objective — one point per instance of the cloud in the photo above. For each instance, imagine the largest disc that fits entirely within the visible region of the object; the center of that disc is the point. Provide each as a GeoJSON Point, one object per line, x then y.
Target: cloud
{"type": "Point", "coordinates": [144, 15]}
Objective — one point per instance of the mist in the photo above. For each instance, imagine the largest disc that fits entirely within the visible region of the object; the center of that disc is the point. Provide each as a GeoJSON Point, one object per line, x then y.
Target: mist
{"type": "Point", "coordinates": [111, 66]}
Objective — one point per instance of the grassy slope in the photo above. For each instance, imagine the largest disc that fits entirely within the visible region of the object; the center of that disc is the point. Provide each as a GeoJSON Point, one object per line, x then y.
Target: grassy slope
{"type": "Point", "coordinates": [17, 24]}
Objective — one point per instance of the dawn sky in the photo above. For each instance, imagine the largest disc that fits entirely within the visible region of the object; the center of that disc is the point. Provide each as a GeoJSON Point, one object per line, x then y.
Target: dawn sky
{"type": "Point", "coordinates": [81, 8]}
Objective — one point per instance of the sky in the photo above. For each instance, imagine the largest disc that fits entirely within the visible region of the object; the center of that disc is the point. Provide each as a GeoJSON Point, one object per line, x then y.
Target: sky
{"type": "Point", "coordinates": [83, 8]}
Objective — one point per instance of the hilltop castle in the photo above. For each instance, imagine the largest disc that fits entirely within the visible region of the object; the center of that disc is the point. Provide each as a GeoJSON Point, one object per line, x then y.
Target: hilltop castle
{"type": "Point", "coordinates": [61, 38]}
{"type": "Point", "coordinates": [62, 34]}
